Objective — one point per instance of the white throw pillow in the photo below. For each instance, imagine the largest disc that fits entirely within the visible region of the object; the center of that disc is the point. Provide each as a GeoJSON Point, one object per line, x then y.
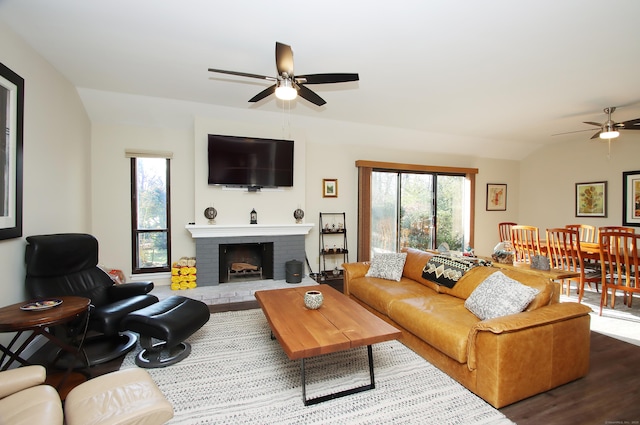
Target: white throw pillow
{"type": "Point", "coordinates": [499, 295]}
{"type": "Point", "coordinates": [387, 265]}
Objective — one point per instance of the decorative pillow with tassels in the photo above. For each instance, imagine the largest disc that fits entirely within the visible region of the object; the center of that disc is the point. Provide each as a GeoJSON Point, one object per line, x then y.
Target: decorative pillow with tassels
{"type": "Point", "coordinates": [446, 271]}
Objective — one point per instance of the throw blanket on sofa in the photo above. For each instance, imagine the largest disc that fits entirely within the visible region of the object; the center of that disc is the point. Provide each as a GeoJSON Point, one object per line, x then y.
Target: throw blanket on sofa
{"type": "Point", "coordinates": [447, 271]}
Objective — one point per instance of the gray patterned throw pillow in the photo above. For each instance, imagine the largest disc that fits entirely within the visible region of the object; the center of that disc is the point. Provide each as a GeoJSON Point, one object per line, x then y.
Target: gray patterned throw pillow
{"type": "Point", "coordinates": [499, 295]}
{"type": "Point", "coordinates": [387, 265]}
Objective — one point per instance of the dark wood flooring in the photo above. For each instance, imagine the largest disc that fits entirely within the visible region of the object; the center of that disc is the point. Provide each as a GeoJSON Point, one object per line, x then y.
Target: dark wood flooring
{"type": "Point", "coordinates": [609, 394]}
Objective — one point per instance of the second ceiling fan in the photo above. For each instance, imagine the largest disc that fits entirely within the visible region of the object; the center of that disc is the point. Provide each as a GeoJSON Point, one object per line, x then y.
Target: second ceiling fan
{"type": "Point", "coordinates": [609, 129]}
{"type": "Point", "coordinates": [288, 85]}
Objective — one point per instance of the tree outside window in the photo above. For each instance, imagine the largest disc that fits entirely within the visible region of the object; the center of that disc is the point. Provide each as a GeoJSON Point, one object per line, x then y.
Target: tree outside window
{"type": "Point", "coordinates": [150, 210]}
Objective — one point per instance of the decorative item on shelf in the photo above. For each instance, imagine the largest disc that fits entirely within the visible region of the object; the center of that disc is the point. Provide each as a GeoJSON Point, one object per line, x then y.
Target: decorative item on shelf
{"type": "Point", "coordinates": [340, 227]}
{"type": "Point", "coordinates": [540, 262]}
{"type": "Point", "coordinates": [313, 299]}
{"type": "Point", "coordinates": [336, 271]}
{"type": "Point", "coordinates": [298, 214]}
{"type": "Point", "coordinates": [254, 217]}
{"type": "Point", "coordinates": [211, 214]}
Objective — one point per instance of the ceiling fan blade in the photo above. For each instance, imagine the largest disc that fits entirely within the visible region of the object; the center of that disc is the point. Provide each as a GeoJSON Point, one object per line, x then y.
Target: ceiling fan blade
{"type": "Point", "coordinates": [264, 93]}
{"type": "Point", "coordinates": [592, 123]}
{"type": "Point", "coordinates": [328, 78]}
{"type": "Point", "coordinates": [595, 136]}
{"type": "Point", "coordinates": [284, 59]}
{"type": "Point", "coordinates": [630, 125]}
{"type": "Point", "coordinates": [310, 95]}
{"type": "Point", "coordinates": [243, 74]}
{"type": "Point", "coordinates": [571, 132]}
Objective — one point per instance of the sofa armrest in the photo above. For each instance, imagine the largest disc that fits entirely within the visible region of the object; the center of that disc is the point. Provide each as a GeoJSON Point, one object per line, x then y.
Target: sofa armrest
{"type": "Point", "coordinates": [128, 290]}
{"type": "Point", "coordinates": [354, 271]}
{"type": "Point", "coordinates": [544, 316]}
{"type": "Point", "coordinates": [14, 380]}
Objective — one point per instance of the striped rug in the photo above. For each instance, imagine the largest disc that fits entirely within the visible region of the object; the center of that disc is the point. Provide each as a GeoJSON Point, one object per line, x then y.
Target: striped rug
{"type": "Point", "coordinates": [236, 374]}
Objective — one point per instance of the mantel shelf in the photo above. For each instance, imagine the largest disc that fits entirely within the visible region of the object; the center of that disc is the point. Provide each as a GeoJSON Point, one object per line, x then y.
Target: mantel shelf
{"type": "Point", "coordinates": [239, 230]}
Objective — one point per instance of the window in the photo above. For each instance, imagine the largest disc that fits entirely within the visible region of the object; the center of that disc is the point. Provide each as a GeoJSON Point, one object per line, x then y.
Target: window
{"type": "Point", "coordinates": [150, 215]}
{"type": "Point", "coordinates": [402, 205]}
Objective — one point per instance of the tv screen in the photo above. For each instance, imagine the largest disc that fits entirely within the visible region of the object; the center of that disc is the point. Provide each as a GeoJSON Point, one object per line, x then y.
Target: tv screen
{"type": "Point", "coordinates": [250, 161]}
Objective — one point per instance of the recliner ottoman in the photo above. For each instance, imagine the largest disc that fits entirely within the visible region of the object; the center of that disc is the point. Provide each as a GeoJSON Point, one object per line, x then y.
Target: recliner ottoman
{"type": "Point", "coordinates": [171, 321]}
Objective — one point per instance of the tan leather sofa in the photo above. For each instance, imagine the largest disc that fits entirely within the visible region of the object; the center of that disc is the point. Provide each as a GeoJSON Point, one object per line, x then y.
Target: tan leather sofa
{"type": "Point", "coordinates": [502, 360]}
{"type": "Point", "coordinates": [124, 397]}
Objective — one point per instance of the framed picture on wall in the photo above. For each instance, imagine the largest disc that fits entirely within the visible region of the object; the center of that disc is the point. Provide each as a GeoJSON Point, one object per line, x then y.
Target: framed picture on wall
{"type": "Point", "coordinates": [631, 198]}
{"type": "Point", "coordinates": [591, 199]}
{"type": "Point", "coordinates": [496, 197]}
{"type": "Point", "coordinates": [329, 188]}
{"type": "Point", "coordinates": [11, 121]}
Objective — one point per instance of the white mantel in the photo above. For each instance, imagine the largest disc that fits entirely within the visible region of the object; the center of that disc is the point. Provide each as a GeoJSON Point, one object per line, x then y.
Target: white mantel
{"type": "Point", "coordinates": [238, 230]}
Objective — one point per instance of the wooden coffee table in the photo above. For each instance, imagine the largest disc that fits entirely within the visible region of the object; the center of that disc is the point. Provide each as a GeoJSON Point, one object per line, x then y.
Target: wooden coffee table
{"type": "Point", "coordinates": [339, 324]}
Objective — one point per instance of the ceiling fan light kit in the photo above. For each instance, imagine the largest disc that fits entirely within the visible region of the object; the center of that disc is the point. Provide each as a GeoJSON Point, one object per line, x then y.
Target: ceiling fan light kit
{"type": "Point", "coordinates": [285, 90]}
{"type": "Point", "coordinates": [287, 86]}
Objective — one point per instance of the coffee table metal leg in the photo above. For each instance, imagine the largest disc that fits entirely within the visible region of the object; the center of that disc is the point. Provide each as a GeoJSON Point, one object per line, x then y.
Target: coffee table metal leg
{"type": "Point", "coordinates": [370, 386]}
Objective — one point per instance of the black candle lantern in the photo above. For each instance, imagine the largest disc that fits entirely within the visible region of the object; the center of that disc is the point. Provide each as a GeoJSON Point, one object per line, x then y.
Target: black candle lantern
{"type": "Point", "coordinates": [254, 217]}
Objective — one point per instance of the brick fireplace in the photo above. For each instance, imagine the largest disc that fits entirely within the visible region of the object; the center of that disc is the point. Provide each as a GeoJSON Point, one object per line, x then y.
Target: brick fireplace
{"type": "Point", "coordinates": [288, 244]}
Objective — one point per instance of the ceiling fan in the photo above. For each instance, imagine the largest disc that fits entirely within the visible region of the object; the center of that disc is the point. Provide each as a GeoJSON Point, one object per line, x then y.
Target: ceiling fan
{"type": "Point", "coordinates": [287, 85]}
{"type": "Point", "coordinates": [609, 129]}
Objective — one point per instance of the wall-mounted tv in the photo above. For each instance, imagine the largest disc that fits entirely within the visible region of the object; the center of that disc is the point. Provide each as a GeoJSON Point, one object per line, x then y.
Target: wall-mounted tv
{"type": "Point", "coordinates": [250, 162]}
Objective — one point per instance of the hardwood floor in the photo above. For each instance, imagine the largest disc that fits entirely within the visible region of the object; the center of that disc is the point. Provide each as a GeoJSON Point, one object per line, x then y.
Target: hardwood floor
{"type": "Point", "coordinates": [609, 394]}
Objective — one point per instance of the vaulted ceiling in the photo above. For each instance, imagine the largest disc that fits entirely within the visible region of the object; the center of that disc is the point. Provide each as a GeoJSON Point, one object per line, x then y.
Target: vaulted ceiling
{"type": "Point", "coordinates": [499, 72]}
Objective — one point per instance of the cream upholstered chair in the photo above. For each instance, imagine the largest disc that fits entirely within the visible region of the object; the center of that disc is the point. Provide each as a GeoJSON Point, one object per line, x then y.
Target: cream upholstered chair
{"type": "Point", "coordinates": [124, 397]}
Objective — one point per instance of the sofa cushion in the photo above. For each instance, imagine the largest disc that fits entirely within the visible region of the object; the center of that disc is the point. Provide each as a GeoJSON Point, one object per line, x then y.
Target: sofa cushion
{"type": "Point", "coordinates": [470, 281]}
{"type": "Point", "coordinates": [446, 271]}
{"type": "Point", "coordinates": [387, 265]}
{"type": "Point", "coordinates": [441, 321]}
{"type": "Point", "coordinates": [414, 264]}
{"type": "Point", "coordinates": [499, 295]}
{"type": "Point", "coordinates": [379, 293]}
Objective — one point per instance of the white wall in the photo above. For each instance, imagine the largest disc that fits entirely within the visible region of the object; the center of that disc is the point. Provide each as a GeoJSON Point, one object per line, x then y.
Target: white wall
{"type": "Point", "coordinates": [324, 149]}
{"type": "Point", "coordinates": [56, 160]}
{"type": "Point", "coordinates": [548, 178]}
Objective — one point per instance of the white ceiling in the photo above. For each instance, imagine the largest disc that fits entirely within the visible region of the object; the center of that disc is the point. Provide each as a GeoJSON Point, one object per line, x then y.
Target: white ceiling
{"type": "Point", "coordinates": [485, 71]}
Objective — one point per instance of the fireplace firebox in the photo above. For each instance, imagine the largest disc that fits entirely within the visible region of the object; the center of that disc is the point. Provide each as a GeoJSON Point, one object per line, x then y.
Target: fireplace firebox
{"type": "Point", "coordinates": [245, 261]}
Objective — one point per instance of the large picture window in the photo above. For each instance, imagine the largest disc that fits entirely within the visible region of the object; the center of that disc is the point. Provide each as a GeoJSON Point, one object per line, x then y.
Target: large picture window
{"type": "Point", "coordinates": [403, 205]}
{"type": "Point", "coordinates": [150, 213]}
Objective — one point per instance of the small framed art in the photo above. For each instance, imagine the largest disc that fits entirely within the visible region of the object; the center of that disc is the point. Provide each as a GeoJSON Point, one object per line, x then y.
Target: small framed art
{"type": "Point", "coordinates": [329, 188]}
{"type": "Point", "coordinates": [496, 197]}
{"type": "Point", "coordinates": [631, 198]}
{"type": "Point", "coordinates": [591, 199]}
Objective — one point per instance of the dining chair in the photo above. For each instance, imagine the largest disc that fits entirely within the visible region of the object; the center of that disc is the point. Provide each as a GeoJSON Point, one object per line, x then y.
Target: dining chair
{"type": "Point", "coordinates": [617, 228]}
{"type": "Point", "coordinates": [563, 250]}
{"type": "Point", "coordinates": [504, 230]}
{"type": "Point", "coordinates": [587, 232]}
{"type": "Point", "coordinates": [620, 260]}
{"type": "Point", "coordinates": [526, 243]}
{"type": "Point", "coordinates": [591, 256]}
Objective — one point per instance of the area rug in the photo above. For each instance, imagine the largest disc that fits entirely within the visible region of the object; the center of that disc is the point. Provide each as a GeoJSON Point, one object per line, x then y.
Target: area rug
{"type": "Point", "coordinates": [237, 374]}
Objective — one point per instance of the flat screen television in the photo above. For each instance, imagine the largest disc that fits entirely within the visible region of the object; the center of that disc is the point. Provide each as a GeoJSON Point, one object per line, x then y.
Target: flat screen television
{"type": "Point", "coordinates": [250, 162]}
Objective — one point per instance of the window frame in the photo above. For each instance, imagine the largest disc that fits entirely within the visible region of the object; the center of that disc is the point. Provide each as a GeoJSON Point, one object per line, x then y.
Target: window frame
{"type": "Point", "coordinates": [135, 232]}
{"type": "Point", "coordinates": [365, 169]}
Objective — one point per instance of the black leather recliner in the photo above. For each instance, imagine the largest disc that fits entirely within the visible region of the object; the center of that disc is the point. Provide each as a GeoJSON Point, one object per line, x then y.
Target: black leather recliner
{"type": "Point", "coordinates": [67, 265]}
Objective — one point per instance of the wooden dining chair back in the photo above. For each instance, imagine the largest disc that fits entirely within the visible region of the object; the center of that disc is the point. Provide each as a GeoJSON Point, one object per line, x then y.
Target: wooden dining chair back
{"type": "Point", "coordinates": [620, 261]}
{"type": "Point", "coordinates": [587, 232]}
{"type": "Point", "coordinates": [504, 230]}
{"type": "Point", "coordinates": [526, 243]}
{"type": "Point", "coordinates": [564, 252]}
{"type": "Point", "coordinates": [616, 229]}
